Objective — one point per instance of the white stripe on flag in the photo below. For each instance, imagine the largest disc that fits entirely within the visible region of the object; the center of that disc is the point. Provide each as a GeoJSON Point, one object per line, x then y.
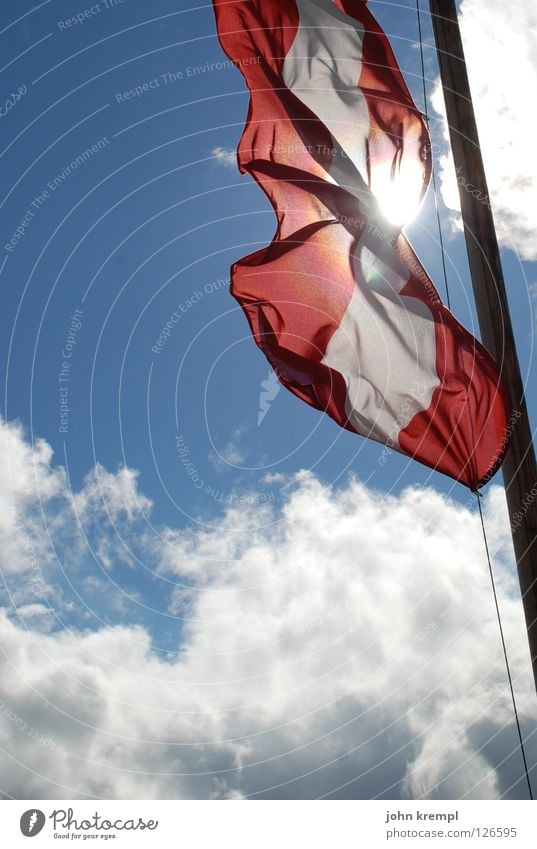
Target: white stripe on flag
{"type": "Point", "coordinates": [322, 69]}
{"type": "Point", "coordinates": [384, 347]}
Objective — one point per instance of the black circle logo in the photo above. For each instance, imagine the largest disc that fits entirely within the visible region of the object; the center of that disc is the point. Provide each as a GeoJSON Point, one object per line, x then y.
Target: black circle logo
{"type": "Point", "coordinates": [32, 822]}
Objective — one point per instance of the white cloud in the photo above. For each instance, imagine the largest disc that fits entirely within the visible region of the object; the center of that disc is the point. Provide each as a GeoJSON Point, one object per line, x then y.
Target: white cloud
{"type": "Point", "coordinates": [273, 477]}
{"type": "Point", "coordinates": [344, 644]}
{"type": "Point", "coordinates": [27, 483]}
{"type": "Point", "coordinates": [114, 499]}
{"type": "Point", "coordinates": [232, 453]}
{"type": "Point", "coordinates": [52, 537]}
{"type": "Point", "coordinates": [229, 455]}
{"type": "Point", "coordinates": [225, 156]}
{"type": "Point", "coordinates": [501, 51]}
{"type": "Point", "coordinates": [36, 615]}
{"type": "Point", "coordinates": [113, 495]}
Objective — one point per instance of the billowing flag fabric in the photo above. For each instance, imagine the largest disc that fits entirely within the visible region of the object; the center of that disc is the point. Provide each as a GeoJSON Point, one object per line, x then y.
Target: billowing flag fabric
{"type": "Point", "coordinates": [339, 302]}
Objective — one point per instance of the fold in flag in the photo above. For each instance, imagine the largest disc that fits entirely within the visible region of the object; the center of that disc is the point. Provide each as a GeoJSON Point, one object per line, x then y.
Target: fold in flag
{"type": "Point", "coordinates": [338, 302]}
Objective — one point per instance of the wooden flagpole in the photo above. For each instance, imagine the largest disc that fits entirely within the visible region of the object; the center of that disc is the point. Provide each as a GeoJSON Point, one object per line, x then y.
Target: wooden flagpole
{"type": "Point", "coordinates": [519, 467]}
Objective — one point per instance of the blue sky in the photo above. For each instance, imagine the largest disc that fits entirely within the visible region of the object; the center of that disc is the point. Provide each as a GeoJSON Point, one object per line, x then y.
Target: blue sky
{"type": "Point", "coordinates": [147, 224]}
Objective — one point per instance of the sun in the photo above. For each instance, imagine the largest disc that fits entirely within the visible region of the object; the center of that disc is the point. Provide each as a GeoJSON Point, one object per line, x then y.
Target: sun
{"type": "Point", "coordinates": [400, 195]}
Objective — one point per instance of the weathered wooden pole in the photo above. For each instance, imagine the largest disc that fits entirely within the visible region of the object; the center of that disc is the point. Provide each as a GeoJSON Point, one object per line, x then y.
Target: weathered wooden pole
{"type": "Point", "coordinates": [519, 467]}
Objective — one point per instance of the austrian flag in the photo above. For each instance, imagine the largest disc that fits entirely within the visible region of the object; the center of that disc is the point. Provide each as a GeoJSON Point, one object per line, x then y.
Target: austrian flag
{"type": "Point", "coordinates": [338, 302]}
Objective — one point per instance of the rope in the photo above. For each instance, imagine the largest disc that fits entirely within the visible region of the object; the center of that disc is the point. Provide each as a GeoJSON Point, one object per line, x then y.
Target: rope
{"type": "Point", "coordinates": [478, 494]}
{"type": "Point", "coordinates": [520, 739]}
{"type": "Point", "coordinates": [435, 192]}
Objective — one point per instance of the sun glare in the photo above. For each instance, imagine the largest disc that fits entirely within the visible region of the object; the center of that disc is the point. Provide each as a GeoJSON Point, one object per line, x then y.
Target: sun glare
{"type": "Point", "coordinates": [399, 196]}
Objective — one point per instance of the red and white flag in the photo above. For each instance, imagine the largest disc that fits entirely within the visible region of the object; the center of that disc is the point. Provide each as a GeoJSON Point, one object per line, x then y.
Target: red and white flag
{"type": "Point", "coordinates": [339, 302]}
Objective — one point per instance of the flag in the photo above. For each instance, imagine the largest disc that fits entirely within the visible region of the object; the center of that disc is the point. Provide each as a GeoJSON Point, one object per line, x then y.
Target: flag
{"type": "Point", "coordinates": [338, 302]}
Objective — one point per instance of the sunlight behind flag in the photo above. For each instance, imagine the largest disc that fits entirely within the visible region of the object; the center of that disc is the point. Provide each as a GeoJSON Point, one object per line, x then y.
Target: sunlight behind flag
{"type": "Point", "coordinates": [397, 197]}
{"type": "Point", "coordinates": [339, 303]}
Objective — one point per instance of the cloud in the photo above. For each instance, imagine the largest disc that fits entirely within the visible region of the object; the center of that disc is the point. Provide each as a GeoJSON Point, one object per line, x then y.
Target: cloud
{"type": "Point", "coordinates": [114, 495]}
{"type": "Point", "coordinates": [226, 156]}
{"type": "Point", "coordinates": [273, 477]}
{"type": "Point", "coordinates": [229, 455]}
{"type": "Point", "coordinates": [506, 120]}
{"type": "Point", "coordinates": [36, 615]}
{"type": "Point", "coordinates": [27, 483]}
{"type": "Point", "coordinates": [55, 541]}
{"type": "Point", "coordinates": [232, 453]}
{"type": "Point", "coordinates": [341, 644]}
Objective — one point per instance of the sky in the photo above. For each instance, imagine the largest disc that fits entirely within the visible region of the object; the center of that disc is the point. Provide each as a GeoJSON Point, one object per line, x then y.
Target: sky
{"type": "Point", "coordinates": [209, 590]}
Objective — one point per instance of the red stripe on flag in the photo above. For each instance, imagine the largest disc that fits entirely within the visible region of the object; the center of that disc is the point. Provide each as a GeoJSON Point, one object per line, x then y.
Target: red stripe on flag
{"type": "Point", "coordinates": [463, 432]}
{"type": "Point", "coordinates": [331, 273]}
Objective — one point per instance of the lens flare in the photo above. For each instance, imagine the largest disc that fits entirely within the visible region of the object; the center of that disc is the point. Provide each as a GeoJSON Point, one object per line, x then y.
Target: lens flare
{"type": "Point", "coordinates": [396, 194]}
